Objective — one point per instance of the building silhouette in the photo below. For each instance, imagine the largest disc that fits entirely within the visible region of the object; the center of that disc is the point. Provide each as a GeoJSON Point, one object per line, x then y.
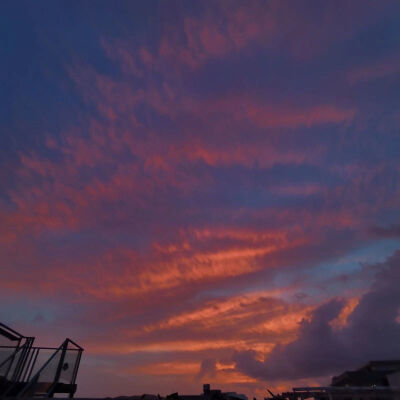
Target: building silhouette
{"type": "Point", "coordinates": [377, 380]}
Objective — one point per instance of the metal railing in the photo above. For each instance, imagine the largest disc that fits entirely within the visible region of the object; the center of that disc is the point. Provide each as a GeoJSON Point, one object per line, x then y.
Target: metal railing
{"type": "Point", "coordinates": [45, 370]}
{"type": "Point", "coordinates": [13, 366]}
{"type": "Point", "coordinates": [60, 368]}
{"type": "Point", "coordinates": [27, 370]}
{"type": "Point", "coordinates": [14, 351]}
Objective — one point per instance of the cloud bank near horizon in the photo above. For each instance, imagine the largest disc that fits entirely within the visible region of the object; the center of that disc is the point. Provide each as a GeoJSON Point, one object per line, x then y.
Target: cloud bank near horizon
{"type": "Point", "coordinates": [324, 347]}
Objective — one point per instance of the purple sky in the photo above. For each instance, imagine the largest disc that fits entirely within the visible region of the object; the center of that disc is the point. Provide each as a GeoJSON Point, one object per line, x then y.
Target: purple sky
{"type": "Point", "coordinates": [202, 191]}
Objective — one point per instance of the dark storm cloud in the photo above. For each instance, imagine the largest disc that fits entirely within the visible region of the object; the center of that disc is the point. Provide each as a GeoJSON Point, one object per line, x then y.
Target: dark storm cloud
{"type": "Point", "coordinates": [387, 232]}
{"type": "Point", "coordinates": [371, 332]}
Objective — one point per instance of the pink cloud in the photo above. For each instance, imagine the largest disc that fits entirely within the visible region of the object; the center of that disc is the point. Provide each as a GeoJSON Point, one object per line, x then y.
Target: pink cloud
{"type": "Point", "coordinates": [375, 70]}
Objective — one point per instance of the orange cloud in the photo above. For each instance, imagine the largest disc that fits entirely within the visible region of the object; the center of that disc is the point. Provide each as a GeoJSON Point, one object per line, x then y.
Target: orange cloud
{"type": "Point", "coordinates": [177, 271]}
{"type": "Point", "coordinates": [168, 368]}
{"type": "Point", "coordinates": [341, 320]}
{"type": "Point", "coordinates": [220, 312]}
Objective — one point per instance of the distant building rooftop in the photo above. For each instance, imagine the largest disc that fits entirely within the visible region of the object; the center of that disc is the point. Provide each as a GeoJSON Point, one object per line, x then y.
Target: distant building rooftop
{"type": "Point", "coordinates": [375, 373]}
{"type": "Point", "coordinates": [208, 394]}
{"type": "Point", "coordinates": [376, 380]}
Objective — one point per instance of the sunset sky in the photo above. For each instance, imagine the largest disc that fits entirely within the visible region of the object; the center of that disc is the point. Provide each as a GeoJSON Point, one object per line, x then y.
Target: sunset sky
{"type": "Point", "coordinates": [202, 191]}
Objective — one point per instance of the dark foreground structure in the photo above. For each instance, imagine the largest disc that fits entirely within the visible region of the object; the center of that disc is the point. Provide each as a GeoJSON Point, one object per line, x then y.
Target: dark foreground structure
{"type": "Point", "coordinates": [208, 394]}
{"type": "Point", "coordinates": [30, 371]}
{"type": "Point", "coordinates": [377, 380]}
